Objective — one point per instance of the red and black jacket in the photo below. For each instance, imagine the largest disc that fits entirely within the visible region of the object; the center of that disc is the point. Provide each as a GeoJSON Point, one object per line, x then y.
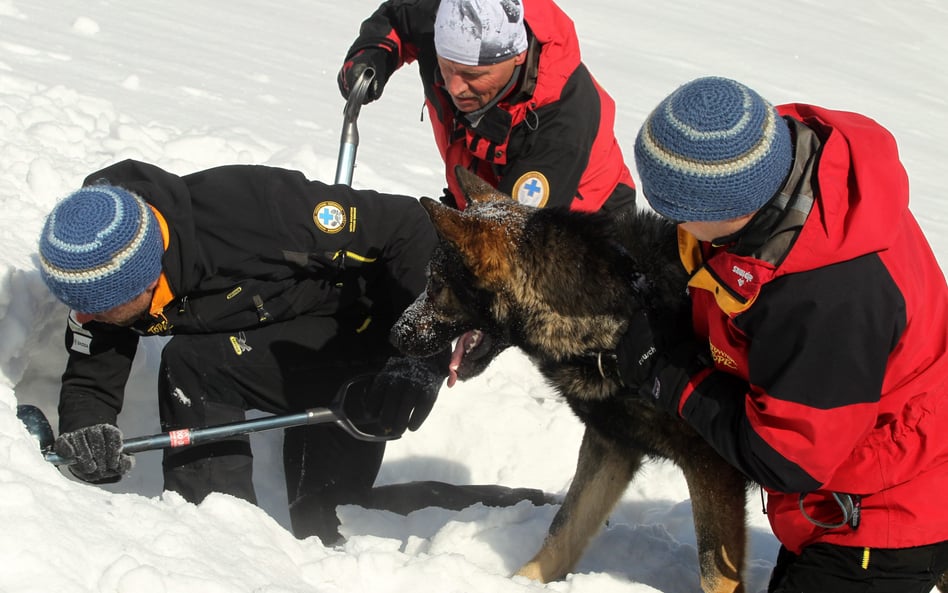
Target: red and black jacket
{"type": "Point", "coordinates": [829, 334]}
{"type": "Point", "coordinates": [549, 141]}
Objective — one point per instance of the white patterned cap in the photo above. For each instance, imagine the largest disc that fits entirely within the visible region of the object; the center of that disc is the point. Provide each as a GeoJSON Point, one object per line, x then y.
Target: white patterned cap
{"type": "Point", "coordinates": [480, 32]}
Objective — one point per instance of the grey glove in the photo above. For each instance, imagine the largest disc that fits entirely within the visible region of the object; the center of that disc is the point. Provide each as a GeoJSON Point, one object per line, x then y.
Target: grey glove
{"type": "Point", "coordinates": [405, 390]}
{"type": "Point", "coordinates": [96, 453]}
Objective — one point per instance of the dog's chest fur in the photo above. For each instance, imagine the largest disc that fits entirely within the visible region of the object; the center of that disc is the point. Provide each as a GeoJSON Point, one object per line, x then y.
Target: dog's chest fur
{"type": "Point", "coordinates": [576, 282]}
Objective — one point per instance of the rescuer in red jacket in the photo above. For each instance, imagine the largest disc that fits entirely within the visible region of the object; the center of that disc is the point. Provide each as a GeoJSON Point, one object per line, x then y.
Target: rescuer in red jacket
{"type": "Point", "coordinates": [823, 315]}
{"type": "Point", "coordinates": [507, 96]}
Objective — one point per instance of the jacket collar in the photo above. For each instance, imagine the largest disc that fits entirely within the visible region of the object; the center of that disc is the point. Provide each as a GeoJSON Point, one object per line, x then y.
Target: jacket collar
{"type": "Point", "coordinates": [734, 268]}
{"type": "Point", "coordinates": [770, 233]}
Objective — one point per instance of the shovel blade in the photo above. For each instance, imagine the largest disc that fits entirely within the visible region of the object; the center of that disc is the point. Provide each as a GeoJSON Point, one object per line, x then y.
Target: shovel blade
{"type": "Point", "coordinates": [36, 423]}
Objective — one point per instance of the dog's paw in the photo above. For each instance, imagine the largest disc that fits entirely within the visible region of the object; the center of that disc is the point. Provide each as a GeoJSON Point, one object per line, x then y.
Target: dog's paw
{"type": "Point", "coordinates": [532, 571]}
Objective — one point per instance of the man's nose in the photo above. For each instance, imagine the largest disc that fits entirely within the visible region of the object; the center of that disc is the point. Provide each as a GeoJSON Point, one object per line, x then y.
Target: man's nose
{"type": "Point", "coordinates": [455, 85]}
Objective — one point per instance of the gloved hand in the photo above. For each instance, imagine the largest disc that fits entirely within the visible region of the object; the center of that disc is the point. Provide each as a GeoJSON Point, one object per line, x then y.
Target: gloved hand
{"type": "Point", "coordinates": [447, 198]}
{"type": "Point", "coordinates": [405, 390]}
{"type": "Point", "coordinates": [376, 58]}
{"type": "Point", "coordinates": [654, 373]}
{"type": "Point", "coordinates": [97, 453]}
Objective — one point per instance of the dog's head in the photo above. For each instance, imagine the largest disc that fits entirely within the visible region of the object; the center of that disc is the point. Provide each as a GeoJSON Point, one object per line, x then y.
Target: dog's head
{"type": "Point", "coordinates": [467, 270]}
{"type": "Point", "coordinates": [549, 281]}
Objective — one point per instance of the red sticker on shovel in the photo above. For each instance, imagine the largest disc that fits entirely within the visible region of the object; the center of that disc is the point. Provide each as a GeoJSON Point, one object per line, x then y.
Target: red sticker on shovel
{"type": "Point", "coordinates": [180, 438]}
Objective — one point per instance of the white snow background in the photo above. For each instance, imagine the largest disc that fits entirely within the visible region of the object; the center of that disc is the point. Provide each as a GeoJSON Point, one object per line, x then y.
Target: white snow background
{"type": "Point", "coordinates": [190, 85]}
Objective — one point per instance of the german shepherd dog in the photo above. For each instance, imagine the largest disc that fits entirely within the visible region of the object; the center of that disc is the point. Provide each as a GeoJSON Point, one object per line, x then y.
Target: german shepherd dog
{"type": "Point", "coordinates": [561, 286]}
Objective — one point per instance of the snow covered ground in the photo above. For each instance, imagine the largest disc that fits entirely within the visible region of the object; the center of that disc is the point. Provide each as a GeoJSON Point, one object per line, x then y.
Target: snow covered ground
{"type": "Point", "coordinates": [189, 85]}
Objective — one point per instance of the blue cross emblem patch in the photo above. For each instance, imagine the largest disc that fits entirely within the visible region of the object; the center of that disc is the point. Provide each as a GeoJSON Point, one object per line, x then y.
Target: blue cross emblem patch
{"type": "Point", "coordinates": [532, 189]}
{"type": "Point", "coordinates": [329, 217]}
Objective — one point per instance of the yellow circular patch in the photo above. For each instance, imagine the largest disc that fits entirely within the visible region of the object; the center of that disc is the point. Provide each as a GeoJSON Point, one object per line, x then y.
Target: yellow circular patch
{"type": "Point", "coordinates": [330, 217]}
{"type": "Point", "coordinates": [532, 189]}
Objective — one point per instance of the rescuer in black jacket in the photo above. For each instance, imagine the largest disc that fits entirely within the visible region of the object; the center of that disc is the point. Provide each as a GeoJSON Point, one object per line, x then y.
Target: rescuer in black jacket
{"type": "Point", "coordinates": [276, 290]}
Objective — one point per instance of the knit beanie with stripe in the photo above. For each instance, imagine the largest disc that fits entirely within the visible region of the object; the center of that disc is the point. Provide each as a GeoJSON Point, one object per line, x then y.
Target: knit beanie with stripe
{"type": "Point", "coordinates": [713, 150]}
{"type": "Point", "coordinates": [100, 247]}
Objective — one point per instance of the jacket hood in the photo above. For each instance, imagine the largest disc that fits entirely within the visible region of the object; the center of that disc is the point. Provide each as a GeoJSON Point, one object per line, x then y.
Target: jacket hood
{"type": "Point", "coordinates": [559, 45]}
{"type": "Point", "coordinates": [862, 187]}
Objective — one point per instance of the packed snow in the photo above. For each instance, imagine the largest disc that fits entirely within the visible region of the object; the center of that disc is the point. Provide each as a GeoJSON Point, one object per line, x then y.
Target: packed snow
{"type": "Point", "coordinates": [190, 85]}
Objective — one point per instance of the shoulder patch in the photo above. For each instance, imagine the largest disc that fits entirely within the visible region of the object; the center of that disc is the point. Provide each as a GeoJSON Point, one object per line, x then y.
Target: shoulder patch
{"type": "Point", "coordinates": [532, 189]}
{"type": "Point", "coordinates": [329, 217]}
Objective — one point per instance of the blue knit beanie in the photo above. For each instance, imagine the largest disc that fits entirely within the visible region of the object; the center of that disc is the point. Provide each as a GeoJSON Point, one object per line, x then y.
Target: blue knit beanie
{"type": "Point", "coordinates": [101, 247]}
{"type": "Point", "coordinates": [713, 150]}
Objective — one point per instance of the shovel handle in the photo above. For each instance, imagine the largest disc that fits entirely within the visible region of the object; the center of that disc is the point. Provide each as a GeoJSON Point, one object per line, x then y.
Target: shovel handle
{"type": "Point", "coordinates": [350, 130]}
{"type": "Point", "coordinates": [196, 436]}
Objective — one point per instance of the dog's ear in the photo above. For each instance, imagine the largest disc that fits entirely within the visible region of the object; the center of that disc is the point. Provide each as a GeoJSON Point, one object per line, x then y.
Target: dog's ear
{"type": "Point", "coordinates": [485, 243]}
{"type": "Point", "coordinates": [476, 189]}
{"type": "Point", "coordinates": [447, 220]}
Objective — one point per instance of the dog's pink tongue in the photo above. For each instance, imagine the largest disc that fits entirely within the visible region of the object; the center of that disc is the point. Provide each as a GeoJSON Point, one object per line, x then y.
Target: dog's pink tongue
{"type": "Point", "coordinates": [456, 356]}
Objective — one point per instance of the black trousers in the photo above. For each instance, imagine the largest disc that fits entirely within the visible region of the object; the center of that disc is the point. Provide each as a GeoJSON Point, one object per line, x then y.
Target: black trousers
{"type": "Point", "coordinates": [280, 368]}
{"type": "Point", "coordinates": [839, 569]}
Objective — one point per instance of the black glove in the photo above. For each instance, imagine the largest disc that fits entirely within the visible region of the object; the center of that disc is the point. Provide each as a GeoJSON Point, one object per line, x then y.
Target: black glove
{"type": "Point", "coordinates": [96, 452]}
{"type": "Point", "coordinates": [372, 57]}
{"type": "Point", "coordinates": [405, 390]}
{"type": "Point", "coordinates": [447, 198]}
{"type": "Point", "coordinates": [654, 373]}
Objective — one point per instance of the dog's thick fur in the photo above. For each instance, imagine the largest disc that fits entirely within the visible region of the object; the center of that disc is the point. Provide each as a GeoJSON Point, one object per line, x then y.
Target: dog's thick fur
{"type": "Point", "coordinates": [561, 286]}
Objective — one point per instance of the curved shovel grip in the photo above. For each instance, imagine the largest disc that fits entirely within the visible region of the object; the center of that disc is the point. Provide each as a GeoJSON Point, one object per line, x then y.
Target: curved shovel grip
{"type": "Point", "coordinates": [350, 130]}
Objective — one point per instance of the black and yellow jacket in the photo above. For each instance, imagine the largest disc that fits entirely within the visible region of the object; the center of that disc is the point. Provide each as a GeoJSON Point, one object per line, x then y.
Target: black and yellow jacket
{"type": "Point", "coordinates": [245, 246]}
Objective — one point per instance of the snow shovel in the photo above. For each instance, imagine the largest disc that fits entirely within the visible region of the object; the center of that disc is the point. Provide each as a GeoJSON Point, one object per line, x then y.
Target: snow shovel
{"type": "Point", "coordinates": [350, 131]}
{"type": "Point", "coordinates": [341, 411]}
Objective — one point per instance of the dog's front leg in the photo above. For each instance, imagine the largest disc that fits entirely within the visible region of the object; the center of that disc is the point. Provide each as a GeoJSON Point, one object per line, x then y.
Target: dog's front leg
{"type": "Point", "coordinates": [718, 498]}
{"type": "Point", "coordinates": [602, 474]}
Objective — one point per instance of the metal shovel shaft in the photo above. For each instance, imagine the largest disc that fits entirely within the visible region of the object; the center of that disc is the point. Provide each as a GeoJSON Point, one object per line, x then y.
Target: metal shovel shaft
{"type": "Point", "coordinates": [196, 436]}
{"type": "Point", "coordinates": [347, 154]}
{"type": "Point", "coordinates": [39, 427]}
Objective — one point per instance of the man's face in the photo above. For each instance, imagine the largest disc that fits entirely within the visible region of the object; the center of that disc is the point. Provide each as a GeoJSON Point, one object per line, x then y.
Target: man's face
{"type": "Point", "coordinates": [710, 230]}
{"type": "Point", "coordinates": [122, 315]}
{"type": "Point", "coordinates": [472, 87]}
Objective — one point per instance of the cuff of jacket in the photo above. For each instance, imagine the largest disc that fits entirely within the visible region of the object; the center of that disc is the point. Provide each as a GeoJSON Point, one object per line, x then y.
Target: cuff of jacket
{"type": "Point", "coordinates": [690, 387]}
